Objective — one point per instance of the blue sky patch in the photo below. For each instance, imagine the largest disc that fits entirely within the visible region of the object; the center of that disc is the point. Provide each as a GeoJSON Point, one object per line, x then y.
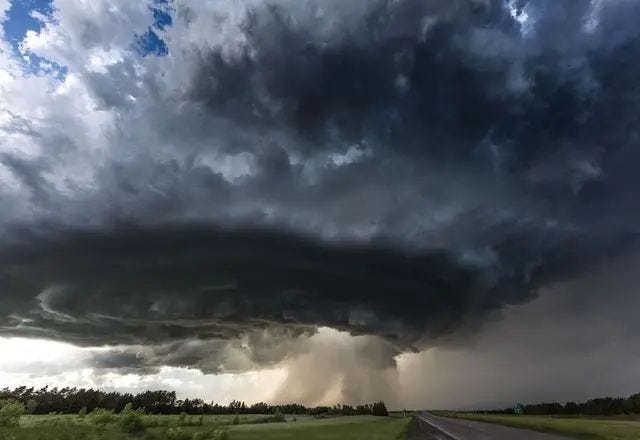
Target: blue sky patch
{"type": "Point", "coordinates": [19, 20]}
{"type": "Point", "coordinates": [161, 16]}
{"type": "Point", "coordinates": [150, 43]}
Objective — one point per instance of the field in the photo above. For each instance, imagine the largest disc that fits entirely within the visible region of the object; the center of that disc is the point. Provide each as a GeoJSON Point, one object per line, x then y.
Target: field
{"type": "Point", "coordinates": [159, 420]}
{"type": "Point", "coordinates": [351, 428]}
{"type": "Point", "coordinates": [59, 427]}
{"type": "Point", "coordinates": [601, 428]}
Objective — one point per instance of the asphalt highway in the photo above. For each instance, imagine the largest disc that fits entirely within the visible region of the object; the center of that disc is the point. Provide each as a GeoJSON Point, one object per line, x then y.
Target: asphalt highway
{"type": "Point", "coordinates": [443, 428]}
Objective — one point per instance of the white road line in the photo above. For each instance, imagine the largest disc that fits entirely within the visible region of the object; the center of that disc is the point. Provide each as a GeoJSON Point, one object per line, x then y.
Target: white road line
{"type": "Point", "coordinates": [441, 429]}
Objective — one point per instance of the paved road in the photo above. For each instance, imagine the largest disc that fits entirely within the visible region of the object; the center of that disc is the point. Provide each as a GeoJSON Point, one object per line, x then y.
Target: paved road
{"type": "Point", "coordinates": [457, 429]}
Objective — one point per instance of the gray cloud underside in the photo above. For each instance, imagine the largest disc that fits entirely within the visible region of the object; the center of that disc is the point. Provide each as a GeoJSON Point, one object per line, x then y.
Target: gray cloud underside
{"type": "Point", "coordinates": [153, 284]}
{"type": "Point", "coordinates": [401, 169]}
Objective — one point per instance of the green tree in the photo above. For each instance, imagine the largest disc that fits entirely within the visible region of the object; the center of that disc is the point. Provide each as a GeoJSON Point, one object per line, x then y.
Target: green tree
{"type": "Point", "coordinates": [10, 412]}
{"type": "Point", "coordinates": [379, 409]}
{"type": "Point", "coordinates": [31, 406]}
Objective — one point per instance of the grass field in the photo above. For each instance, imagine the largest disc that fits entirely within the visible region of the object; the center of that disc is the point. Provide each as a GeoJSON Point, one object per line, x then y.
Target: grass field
{"type": "Point", "coordinates": [56, 427]}
{"type": "Point", "coordinates": [160, 420]}
{"type": "Point", "coordinates": [351, 428]}
{"type": "Point", "coordinates": [601, 428]}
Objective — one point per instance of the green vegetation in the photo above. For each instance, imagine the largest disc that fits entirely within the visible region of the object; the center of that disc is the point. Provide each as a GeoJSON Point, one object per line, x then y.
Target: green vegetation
{"type": "Point", "coordinates": [88, 414]}
{"type": "Point", "coordinates": [10, 412]}
{"type": "Point", "coordinates": [602, 406]}
{"type": "Point", "coordinates": [577, 427]}
{"type": "Point", "coordinates": [130, 423]}
{"type": "Point", "coordinates": [339, 428]}
{"type": "Point", "coordinates": [80, 401]}
{"type": "Point", "coordinates": [130, 420]}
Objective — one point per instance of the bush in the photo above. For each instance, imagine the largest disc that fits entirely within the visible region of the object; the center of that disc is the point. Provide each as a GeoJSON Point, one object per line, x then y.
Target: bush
{"type": "Point", "coordinates": [131, 424]}
{"type": "Point", "coordinates": [10, 412]}
{"type": "Point", "coordinates": [177, 434]}
{"type": "Point", "coordinates": [131, 420]}
{"type": "Point", "coordinates": [218, 434]}
{"type": "Point", "coordinates": [31, 406]}
{"type": "Point", "coordinates": [100, 416]}
{"type": "Point", "coordinates": [277, 417]}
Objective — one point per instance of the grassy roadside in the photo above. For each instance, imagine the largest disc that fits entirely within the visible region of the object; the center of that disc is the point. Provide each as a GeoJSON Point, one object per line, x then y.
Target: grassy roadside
{"type": "Point", "coordinates": [579, 428]}
{"type": "Point", "coordinates": [340, 428]}
{"type": "Point", "coordinates": [63, 427]}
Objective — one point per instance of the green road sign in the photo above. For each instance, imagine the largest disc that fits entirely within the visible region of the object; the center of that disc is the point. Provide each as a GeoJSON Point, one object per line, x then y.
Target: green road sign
{"type": "Point", "coordinates": [518, 409]}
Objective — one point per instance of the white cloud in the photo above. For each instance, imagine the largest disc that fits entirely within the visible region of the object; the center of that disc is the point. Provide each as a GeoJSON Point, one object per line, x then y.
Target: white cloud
{"type": "Point", "coordinates": [4, 7]}
{"type": "Point", "coordinates": [38, 363]}
{"type": "Point", "coordinates": [83, 30]}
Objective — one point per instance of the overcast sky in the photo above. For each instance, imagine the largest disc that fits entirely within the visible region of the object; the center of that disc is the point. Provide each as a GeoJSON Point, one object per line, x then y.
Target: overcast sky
{"type": "Point", "coordinates": [430, 202]}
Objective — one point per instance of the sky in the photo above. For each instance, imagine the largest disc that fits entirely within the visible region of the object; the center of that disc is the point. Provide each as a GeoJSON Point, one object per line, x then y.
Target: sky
{"type": "Point", "coordinates": [429, 202]}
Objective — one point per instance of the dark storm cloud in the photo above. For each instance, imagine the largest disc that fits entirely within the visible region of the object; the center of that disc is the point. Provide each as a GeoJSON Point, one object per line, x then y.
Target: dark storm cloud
{"type": "Point", "coordinates": [153, 284]}
{"type": "Point", "coordinates": [392, 78]}
{"type": "Point", "coordinates": [256, 347]}
{"type": "Point", "coordinates": [573, 330]}
{"type": "Point", "coordinates": [437, 81]}
{"type": "Point", "coordinates": [160, 284]}
{"type": "Point", "coordinates": [401, 169]}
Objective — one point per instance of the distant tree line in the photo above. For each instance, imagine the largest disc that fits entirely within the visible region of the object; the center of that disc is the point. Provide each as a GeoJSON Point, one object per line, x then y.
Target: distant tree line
{"type": "Point", "coordinates": [605, 406]}
{"type": "Point", "coordinates": [74, 400]}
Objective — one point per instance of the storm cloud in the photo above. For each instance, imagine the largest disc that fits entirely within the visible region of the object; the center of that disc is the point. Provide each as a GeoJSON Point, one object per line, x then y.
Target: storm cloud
{"type": "Point", "coordinates": [401, 170]}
